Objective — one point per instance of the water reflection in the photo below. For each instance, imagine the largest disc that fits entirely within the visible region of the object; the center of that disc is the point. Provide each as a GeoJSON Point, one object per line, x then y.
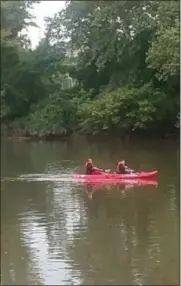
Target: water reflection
{"type": "Point", "coordinates": [56, 232]}
{"type": "Point", "coordinates": [45, 255]}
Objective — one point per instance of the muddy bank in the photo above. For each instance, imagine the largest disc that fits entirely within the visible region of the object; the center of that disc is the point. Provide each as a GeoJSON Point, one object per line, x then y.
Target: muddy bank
{"type": "Point", "coordinates": [37, 136]}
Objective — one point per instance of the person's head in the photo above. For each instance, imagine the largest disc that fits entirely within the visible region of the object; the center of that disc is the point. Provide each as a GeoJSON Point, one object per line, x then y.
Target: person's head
{"type": "Point", "coordinates": [89, 161]}
{"type": "Point", "coordinates": [122, 162]}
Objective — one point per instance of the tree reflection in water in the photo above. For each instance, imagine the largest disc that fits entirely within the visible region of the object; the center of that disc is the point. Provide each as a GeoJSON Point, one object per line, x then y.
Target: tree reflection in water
{"type": "Point", "coordinates": [51, 234]}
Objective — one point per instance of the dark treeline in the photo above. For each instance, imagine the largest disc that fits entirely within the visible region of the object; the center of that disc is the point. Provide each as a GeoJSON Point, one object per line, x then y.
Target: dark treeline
{"type": "Point", "coordinates": [102, 66]}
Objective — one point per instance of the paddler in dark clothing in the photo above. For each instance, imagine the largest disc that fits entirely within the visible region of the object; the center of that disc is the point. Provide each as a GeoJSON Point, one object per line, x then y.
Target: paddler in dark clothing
{"type": "Point", "coordinates": [121, 168]}
{"type": "Point", "coordinates": [90, 169]}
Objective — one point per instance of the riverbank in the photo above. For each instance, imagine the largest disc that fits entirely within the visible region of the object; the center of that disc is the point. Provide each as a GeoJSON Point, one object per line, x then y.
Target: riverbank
{"type": "Point", "coordinates": [50, 136]}
{"type": "Point", "coordinates": [38, 136]}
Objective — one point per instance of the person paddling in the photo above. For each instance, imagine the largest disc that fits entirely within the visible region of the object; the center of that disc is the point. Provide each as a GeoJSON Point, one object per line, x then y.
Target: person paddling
{"type": "Point", "coordinates": [90, 169]}
{"type": "Point", "coordinates": [121, 168]}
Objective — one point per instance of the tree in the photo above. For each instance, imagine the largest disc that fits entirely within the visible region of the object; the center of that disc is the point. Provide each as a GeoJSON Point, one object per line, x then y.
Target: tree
{"type": "Point", "coordinates": [164, 53]}
{"type": "Point", "coordinates": [123, 55]}
{"type": "Point", "coordinates": [15, 69]}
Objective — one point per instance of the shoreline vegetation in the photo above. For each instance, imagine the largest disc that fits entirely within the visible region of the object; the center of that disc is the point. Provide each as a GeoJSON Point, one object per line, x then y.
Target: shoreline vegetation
{"type": "Point", "coordinates": [49, 136]}
{"type": "Point", "coordinates": [103, 67]}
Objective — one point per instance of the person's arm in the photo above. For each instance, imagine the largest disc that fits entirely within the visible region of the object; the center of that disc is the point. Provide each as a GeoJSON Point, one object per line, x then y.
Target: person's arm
{"type": "Point", "coordinates": [95, 168]}
{"type": "Point", "coordinates": [129, 170]}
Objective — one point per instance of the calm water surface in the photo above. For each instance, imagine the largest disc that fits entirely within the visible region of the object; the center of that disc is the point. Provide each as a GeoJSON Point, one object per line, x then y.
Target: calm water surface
{"type": "Point", "coordinates": [54, 231]}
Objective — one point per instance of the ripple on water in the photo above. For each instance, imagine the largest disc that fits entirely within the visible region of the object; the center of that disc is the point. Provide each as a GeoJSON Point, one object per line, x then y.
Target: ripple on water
{"type": "Point", "coordinates": [52, 234]}
{"type": "Point", "coordinates": [47, 259]}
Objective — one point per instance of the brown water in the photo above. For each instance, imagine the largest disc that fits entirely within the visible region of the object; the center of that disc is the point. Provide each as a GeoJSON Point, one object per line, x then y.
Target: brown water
{"type": "Point", "coordinates": [56, 232]}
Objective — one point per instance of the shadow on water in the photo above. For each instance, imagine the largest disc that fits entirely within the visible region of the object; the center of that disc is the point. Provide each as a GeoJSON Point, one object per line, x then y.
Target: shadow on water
{"type": "Point", "coordinates": [56, 232]}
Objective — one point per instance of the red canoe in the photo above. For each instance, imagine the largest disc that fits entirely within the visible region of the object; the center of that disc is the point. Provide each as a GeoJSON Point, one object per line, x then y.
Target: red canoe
{"type": "Point", "coordinates": [116, 177]}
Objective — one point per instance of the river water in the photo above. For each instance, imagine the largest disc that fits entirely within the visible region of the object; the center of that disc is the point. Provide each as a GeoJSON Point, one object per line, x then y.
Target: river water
{"type": "Point", "coordinates": [56, 232]}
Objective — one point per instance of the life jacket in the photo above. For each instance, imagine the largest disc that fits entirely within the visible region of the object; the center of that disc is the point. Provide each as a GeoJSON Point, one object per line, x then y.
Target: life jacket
{"type": "Point", "coordinates": [120, 163]}
{"type": "Point", "coordinates": [96, 172]}
{"type": "Point", "coordinates": [89, 168]}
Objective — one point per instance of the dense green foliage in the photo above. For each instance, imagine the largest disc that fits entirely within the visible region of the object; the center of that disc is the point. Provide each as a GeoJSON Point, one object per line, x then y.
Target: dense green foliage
{"type": "Point", "coordinates": [103, 65]}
